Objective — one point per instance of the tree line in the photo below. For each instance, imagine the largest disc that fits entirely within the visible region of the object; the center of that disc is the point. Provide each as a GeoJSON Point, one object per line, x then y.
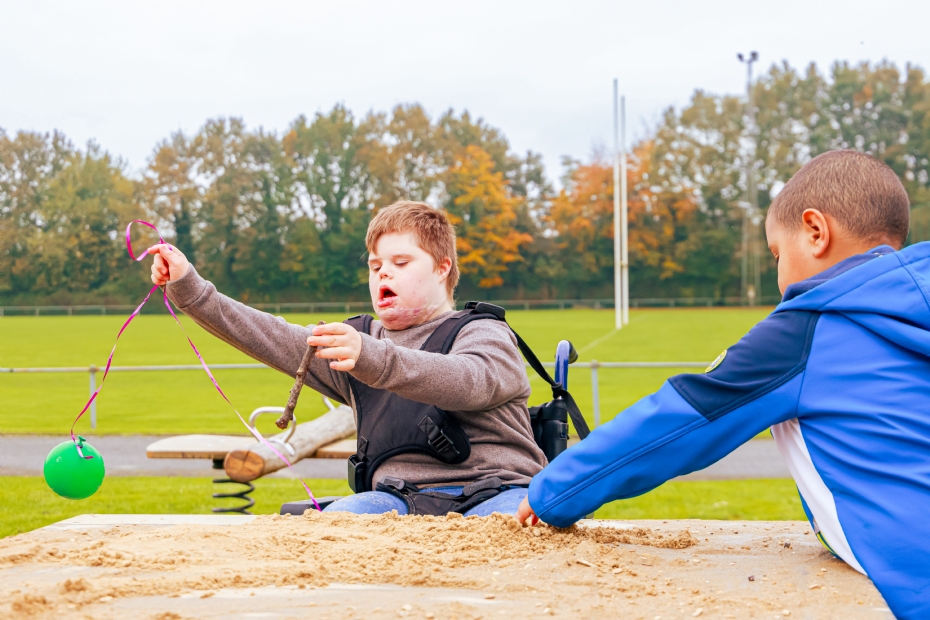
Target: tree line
{"type": "Point", "coordinates": [282, 217]}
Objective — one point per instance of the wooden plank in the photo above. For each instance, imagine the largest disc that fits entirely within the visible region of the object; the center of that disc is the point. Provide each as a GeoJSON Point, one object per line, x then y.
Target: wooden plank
{"type": "Point", "coordinates": [197, 446]}
{"type": "Point", "coordinates": [342, 449]}
{"type": "Point", "coordinates": [93, 521]}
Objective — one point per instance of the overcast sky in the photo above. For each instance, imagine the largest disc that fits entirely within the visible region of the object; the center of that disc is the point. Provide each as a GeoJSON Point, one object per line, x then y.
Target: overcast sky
{"type": "Point", "coordinates": [127, 74]}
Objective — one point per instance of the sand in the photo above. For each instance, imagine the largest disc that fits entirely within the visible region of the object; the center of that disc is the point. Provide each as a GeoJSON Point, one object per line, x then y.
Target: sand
{"type": "Point", "coordinates": [347, 566]}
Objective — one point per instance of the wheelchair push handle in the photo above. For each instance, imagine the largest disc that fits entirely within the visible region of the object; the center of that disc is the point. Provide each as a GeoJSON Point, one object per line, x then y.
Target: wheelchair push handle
{"type": "Point", "coordinates": [565, 354]}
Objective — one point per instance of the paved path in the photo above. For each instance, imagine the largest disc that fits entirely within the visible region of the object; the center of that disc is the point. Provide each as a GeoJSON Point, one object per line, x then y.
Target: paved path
{"type": "Point", "coordinates": [23, 455]}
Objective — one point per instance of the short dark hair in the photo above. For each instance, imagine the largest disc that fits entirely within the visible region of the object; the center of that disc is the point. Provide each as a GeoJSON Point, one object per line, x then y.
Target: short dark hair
{"type": "Point", "coordinates": [863, 194]}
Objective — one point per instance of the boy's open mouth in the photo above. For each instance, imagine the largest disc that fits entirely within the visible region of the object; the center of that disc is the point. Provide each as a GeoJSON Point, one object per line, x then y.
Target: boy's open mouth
{"type": "Point", "coordinates": [386, 297]}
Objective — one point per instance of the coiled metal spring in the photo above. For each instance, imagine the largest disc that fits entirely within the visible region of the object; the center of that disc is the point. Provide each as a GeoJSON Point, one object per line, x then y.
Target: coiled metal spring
{"type": "Point", "coordinates": [242, 494]}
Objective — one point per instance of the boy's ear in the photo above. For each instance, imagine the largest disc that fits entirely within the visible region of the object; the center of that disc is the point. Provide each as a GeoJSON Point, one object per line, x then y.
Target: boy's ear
{"type": "Point", "coordinates": [444, 267]}
{"type": "Point", "coordinates": [816, 230]}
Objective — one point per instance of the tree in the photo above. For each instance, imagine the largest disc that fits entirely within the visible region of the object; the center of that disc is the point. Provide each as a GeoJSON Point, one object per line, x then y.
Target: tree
{"type": "Point", "coordinates": [29, 163]}
{"type": "Point", "coordinates": [80, 246]}
{"type": "Point", "coordinates": [483, 211]}
{"type": "Point", "coordinates": [333, 189]}
{"type": "Point", "coordinates": [169, 190]}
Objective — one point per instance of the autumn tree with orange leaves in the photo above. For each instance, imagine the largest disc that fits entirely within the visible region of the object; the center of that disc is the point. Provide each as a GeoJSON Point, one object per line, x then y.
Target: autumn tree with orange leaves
{"type": "Point", "coordinates": [483, 210]}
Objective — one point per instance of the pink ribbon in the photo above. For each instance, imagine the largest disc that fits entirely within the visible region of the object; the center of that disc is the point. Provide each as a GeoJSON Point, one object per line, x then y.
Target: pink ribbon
{"type": "Point", "coordinates": [135, 313]}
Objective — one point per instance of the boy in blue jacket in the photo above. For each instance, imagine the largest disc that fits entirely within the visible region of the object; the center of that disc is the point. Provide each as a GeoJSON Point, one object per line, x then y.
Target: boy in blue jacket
{"type": "Point", "coordinates": [839, 371]}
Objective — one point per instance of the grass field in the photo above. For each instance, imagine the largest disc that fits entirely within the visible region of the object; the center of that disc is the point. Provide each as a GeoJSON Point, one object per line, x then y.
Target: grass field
{"type": "Point", "coordinates": [26, 502]}
{"type": "Point", "coordinates": [186, 402]}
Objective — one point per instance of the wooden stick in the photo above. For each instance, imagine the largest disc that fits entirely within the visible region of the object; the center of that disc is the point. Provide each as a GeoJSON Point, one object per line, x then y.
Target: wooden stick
{"type": "Point", "coordinates": [288, 414]}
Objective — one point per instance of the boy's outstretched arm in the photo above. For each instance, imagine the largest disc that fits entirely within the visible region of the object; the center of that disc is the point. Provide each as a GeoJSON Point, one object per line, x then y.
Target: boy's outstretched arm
{"type": "Point", "coordinates": [264, 337]}
{"type": "Point", "coordinates": [690, 423]}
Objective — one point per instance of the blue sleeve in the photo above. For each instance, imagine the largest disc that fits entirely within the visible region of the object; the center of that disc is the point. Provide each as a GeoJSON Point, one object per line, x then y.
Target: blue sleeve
{"type": "Point", "coordinates": [690, 423]}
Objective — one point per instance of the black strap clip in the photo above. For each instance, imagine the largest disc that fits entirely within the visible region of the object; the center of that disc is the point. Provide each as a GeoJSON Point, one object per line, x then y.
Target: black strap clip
{"type": "Point", "coordinates": [358, 473]}
{"type": "Point", "coordinates": [483, 307]}
{"type": "Point", "coordinates": [481, 485]}
{"type": "Point", "coordinates": [437, 438]}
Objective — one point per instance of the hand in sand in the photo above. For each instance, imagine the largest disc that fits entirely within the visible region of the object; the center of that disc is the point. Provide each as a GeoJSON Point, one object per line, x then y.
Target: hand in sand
{"type": "Point", "coordinates": [525, 511]}
{"type": "Point", "coordinates": [169, 264]}
{"type": "Point", "coordinates": [337, 341]}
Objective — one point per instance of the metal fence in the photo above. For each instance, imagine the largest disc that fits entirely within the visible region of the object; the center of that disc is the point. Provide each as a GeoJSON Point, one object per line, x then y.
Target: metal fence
{"type": "Point", "coordinates": [593, 366]}
{"type": "Point", "coordinates": [362, 306]}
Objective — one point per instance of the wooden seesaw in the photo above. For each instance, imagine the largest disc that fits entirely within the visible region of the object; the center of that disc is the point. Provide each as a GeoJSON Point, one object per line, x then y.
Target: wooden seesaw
{"type": "Point", "coordinates": [245, 460]}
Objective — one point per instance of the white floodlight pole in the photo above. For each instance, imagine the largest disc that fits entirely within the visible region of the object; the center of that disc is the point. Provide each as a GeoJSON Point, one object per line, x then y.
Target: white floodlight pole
{"type": "Point", "coordinates": [618, 277]}
{"type": "Point", "coordinates": [624, 235]}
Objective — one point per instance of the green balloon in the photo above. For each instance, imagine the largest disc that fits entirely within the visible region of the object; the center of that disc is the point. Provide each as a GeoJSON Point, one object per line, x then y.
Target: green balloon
{"type": "Point", "coordinates": [71, 476]}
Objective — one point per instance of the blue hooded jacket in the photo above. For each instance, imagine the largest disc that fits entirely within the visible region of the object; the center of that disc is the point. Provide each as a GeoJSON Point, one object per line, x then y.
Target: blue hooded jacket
{"type": "Point", "coordinates": [840, 371]}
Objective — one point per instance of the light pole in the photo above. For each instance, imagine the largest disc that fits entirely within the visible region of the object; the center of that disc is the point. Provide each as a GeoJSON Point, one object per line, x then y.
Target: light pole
{"type": "Point", "coordinates": [749, 291]}
{"type": "Point", "coordinates": [621, 254]}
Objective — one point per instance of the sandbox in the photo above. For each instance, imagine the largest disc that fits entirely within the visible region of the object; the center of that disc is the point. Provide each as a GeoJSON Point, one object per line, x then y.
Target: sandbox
{"type": "Point", "coordinates": [347, 566]}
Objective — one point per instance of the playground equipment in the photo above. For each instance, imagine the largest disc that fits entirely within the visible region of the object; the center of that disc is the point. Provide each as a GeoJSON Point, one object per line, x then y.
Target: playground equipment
{"type": "Point", "coordinates": [245, 460]}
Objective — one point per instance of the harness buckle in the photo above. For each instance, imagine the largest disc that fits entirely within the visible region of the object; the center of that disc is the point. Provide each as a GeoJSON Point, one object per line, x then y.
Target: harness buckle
{"type": "Point", "coordinates": [395, 483]}
{"type": "Point", "coordinates": [481, 485]}
{"type": "Point", "coordinates": [437, 438]}
{"type": "Point", "coordinates": [358, 471]}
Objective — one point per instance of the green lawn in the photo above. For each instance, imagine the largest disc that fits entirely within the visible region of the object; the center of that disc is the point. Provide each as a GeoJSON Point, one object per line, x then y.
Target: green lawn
{"type": "Point", "coordinates": [185, 401]}
{"type": "Point", "coordinates": [26, 502]}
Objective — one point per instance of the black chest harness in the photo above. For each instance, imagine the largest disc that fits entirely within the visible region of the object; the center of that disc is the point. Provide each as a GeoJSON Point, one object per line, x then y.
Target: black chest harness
{"type": "Point", "coordinates": [390, 425]}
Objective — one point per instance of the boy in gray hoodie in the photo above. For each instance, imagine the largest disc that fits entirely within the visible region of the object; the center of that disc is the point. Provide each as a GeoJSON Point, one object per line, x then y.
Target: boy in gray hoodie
{"type": "Point", "coordinates": [469, 435]}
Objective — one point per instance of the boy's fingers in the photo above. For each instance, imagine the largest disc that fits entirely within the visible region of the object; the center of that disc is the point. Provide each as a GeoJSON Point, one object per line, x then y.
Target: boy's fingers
{"type": "Point", "coordinates": [328, 340]}
{"type": "Point", "coordinates": [336, 353]}
{"type": "Point", "coordinates": [343, 365]}
{"type": "Point", "coordinates": [524, 512]}
{"type": "Point", "coordinates": [330, 329]}
{"type": "Point", "coordinates": [169, 254]}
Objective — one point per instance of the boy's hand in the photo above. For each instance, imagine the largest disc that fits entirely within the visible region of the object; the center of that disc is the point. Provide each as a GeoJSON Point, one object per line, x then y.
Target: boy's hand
{"type": "Point", "coordinates": [337, 341]}
{"type": "Point", "coordinates": [170, 263]}
{"type": "Point", "coordinates": [525, 511]}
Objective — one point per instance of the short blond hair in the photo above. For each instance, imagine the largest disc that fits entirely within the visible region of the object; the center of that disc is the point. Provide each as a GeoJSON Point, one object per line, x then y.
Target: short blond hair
{"type": "Point", "coordinates": [430, 227]}
{"type": "Point", "coordinates": [864, 195]}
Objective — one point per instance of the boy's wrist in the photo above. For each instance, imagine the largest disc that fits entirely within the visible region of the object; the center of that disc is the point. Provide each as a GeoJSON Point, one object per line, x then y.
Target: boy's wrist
{"type": "Point", "coordinates": [186, 289]}
{"type": "Point", "coordinates": [369, 367]}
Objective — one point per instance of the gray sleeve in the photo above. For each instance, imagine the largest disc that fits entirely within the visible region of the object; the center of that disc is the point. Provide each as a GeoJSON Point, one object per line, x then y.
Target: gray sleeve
{"type": "Point", "coordinates": [483, 370]}
{"type": "Point", "coordinates": [262, 336]}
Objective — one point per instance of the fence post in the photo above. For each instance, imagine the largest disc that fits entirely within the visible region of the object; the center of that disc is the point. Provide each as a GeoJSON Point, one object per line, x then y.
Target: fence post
{"type": "Point", "coordinates": [93, 388]}
{"type": "Point", "coordinates": [595, 394]}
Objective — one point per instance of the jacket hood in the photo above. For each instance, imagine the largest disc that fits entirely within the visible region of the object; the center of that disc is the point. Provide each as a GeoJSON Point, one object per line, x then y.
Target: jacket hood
{"type": "Point", "coordinates": [886, 292]}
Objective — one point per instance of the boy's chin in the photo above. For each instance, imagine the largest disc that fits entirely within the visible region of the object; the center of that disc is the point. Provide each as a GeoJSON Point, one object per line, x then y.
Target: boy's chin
{"type": "Point", "coordinates": [395, 317]}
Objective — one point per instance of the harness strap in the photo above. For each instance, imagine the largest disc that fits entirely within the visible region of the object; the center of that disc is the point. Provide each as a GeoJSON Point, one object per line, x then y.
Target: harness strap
{"type": "Point", "coordinates": [442, 339]}
{"type": "Point", "coordinates": [361, 323]}
{"type": "Point", "coordinates": [437, 503]}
